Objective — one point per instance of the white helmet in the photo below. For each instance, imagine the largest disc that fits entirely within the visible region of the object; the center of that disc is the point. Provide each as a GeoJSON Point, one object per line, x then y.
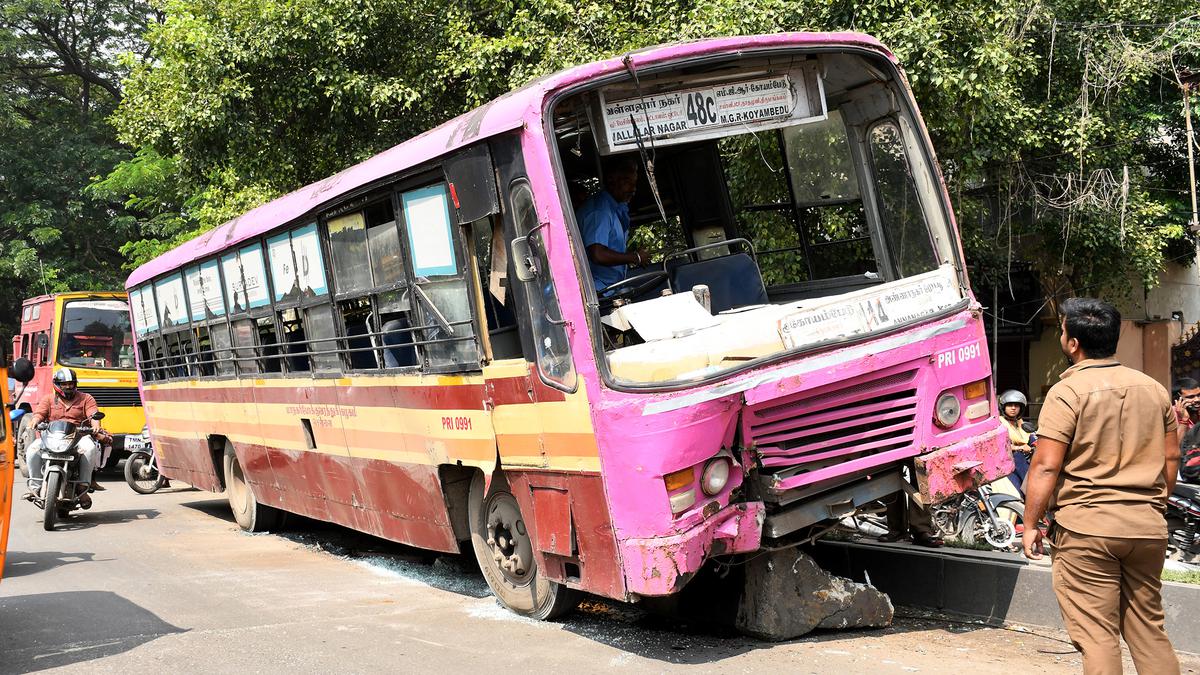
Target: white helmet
{"type": "Point", "coordinates": [1013, 396]}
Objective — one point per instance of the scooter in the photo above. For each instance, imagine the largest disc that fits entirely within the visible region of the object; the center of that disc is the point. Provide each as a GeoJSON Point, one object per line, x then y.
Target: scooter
{"type": "Point", "coordinates": [61, 487]}
{"type": "Point", "coordinates": [141, 469]}
{"type": "Point", "coordinates": [1183, 523]}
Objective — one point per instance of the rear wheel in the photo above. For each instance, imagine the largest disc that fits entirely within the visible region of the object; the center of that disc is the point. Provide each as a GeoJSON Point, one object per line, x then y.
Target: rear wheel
{"type": "Point", "coordinates": [505, 553]}
{"type": "Point", "coordinates": [250, 515]}
{"type": "Point", "coordinates": [50, 508]}
{"type": "Point", "coordinates": [141, 474]}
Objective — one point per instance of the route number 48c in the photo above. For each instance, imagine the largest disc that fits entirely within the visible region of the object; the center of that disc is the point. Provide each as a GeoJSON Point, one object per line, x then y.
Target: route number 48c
{"type": "Point", "coordinates": [701, 109]}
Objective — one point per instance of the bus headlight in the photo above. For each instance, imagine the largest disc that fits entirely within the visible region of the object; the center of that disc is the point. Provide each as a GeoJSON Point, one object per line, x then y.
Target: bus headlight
{"type": "Point", "coordinates": [947, 410]}
{"type": "Point", "coordinates": [715, 476]}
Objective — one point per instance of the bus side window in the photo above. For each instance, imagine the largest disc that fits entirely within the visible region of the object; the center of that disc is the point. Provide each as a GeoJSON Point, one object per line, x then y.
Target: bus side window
{"type": "Point", "coordinates": [549, 329]}
{"type": "Point", "coordinates": [447, 341]}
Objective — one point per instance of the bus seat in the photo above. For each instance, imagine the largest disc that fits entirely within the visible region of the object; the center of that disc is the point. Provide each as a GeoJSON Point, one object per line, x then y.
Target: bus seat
{"type": "Point", "coordinates": [398, 350]}
{"type": "Point", "coordinates": [734, 280]}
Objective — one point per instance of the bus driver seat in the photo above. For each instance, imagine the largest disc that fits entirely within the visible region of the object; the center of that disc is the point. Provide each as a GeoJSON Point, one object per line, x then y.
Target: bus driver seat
{"type": "Point", "coordinates": [734, 280]}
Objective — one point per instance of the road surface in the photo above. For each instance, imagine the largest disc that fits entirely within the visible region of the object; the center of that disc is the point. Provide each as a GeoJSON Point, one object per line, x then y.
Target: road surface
{"type": "Point", "coordinates": [143, 584]}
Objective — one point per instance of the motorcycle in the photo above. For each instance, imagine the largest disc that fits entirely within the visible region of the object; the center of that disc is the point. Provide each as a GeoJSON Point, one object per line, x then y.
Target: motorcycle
{"type": "Point", "coordinates": [15, 416]}
{"type": "Point", "coordinates": [141, 469]}
{"type": "Point", "coordinates": [61, 487]}
{"type": "Point", "coordinates": [981, 515]}
{"type": "Point", "coordinates": [1183, 523]}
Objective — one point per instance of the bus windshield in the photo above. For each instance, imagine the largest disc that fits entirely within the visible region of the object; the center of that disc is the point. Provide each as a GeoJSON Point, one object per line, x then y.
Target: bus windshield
{"type": "Point", "coordinates": [781, 203]}
{"type": "Point", "coordinates": [96, 334]}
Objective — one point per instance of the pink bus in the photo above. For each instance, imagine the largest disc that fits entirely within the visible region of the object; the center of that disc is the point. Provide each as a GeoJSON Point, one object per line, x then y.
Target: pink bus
{"type": "Point", "coordinates": [416, 347]}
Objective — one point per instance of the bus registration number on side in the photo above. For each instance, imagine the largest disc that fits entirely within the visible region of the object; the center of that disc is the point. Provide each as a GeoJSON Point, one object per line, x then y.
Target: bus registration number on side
{"type": "Point", "coordinates": [962, 354]}
{"type": "Point", "coordinates": [456, 423]}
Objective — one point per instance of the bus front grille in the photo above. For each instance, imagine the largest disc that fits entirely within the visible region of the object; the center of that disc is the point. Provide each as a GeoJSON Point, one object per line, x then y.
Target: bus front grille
{"type": "Point", "coordinates": [114, 396]}
{"type": "Point", "coordinates": [818, 436]}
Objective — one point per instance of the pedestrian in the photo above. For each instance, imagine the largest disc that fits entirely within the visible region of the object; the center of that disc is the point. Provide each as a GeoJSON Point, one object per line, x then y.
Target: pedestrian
{"type": "Point", "coordinates": [1187, 403]}
{"type": "Point", "coordinates": [1106, 459]}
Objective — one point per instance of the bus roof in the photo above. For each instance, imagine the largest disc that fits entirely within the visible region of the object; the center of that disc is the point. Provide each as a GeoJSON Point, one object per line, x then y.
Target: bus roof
{"type": "Point", "coordinates": [74, 294]}
{"type": "Point", "coordinates": [509, 112]}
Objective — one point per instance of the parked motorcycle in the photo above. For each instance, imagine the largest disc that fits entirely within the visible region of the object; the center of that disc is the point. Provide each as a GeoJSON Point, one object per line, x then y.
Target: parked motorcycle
{"type": "Point", "coordinates": [981, 515]}
{"type": "Point", "coordinates": [61, 486]}
{"type": "Point", "coordinates": [1183, 523]}
{"type": "Point", "coordinates": [141, 469]}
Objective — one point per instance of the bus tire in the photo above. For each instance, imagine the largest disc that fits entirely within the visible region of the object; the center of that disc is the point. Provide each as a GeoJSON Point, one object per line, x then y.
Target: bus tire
{"type": "Point", "coordinates": [250, 515]}
{"type": "Point", "coordinates": [505, 553]}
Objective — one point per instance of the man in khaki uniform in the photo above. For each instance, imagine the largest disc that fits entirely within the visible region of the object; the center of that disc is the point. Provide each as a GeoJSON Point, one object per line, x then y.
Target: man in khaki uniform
{"type": "Point", "coordinates": [1106, 461]}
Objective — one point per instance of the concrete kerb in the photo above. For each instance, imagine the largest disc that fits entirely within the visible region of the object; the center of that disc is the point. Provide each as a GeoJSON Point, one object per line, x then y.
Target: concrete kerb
{"type": "Point", "coordinates": [988, 585]}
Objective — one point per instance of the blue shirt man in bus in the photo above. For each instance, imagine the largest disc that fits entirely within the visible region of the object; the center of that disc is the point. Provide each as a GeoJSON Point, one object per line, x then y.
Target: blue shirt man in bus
{"type": "Point", "coordinates": [604, 222]}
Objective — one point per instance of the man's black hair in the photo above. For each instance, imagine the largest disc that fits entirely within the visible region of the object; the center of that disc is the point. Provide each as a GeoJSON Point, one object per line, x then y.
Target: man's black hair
{"type": "Point", "coordinates": [623, 163]}
{"type": "Point", "coordinates": [1094, 323]}
{"type": "Point", "coordinates": [1183, 383]}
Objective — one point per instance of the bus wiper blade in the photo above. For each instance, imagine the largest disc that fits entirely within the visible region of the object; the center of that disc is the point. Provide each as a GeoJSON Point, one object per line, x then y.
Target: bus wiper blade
{"type": "Point", "coordinates": [647, 160]}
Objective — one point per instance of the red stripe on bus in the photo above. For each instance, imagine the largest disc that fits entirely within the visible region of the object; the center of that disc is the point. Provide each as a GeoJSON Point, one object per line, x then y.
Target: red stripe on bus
{"type": "Point", "coordinates": [503, 391]}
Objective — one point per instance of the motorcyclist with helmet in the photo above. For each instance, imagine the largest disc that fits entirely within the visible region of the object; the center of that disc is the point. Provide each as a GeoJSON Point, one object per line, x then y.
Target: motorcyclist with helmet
{"type": "Point", "coordinates": [1021, 438]}
{"type": "Point", "coordinates": [70, 404]}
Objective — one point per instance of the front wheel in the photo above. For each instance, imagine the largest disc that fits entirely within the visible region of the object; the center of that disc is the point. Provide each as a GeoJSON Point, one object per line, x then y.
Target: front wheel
{"type": "Point", "coordinates": [50, 508]}
{"type": "Point", "coordinates": [141, 474]}
{"type": "Point", "coordinates": [505, 553]}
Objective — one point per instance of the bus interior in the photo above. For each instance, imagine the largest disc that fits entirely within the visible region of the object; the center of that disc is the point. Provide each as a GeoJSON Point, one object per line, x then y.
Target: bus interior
{"type": "Point", "coordinates": [778, 182]}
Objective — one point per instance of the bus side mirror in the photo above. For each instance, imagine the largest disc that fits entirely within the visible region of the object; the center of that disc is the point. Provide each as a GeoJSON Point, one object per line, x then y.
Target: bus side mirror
{"type": "Point", "coordinates": [43, 341]}
{"type": "Point", "coordinates": [524, 264]}
{"type": "Point", "coordinates": [22, 370]}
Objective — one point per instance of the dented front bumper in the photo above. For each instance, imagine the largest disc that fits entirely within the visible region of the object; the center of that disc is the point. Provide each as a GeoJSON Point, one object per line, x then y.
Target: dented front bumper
{"type": "Point", "coordinates": [664, 565]}
{"type": "Point", "coordinates": [950, 471]}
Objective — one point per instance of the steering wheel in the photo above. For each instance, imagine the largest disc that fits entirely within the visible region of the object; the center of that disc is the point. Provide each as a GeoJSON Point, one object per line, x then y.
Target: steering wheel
{"type": "Point", "coordinates": [630, 288]}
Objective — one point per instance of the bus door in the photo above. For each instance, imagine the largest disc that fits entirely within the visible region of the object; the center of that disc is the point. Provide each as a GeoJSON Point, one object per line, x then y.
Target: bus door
{"type": "Point", "coordinates": [539, 369]}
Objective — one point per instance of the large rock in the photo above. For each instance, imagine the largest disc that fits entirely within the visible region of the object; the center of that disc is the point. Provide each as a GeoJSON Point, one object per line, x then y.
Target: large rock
{"type": "Point", "coordinates": [787, 595]}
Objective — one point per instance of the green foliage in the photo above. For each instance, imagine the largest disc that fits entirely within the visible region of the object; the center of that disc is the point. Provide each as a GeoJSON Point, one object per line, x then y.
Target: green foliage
{"type": "Point", "coordinates": [1035, 110]}
{"type": "Point", "coordinates": [58, 84]}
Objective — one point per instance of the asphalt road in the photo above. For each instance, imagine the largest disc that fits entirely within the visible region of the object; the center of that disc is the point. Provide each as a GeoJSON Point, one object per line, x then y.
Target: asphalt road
{"type": "Point", "coordinates": [143, 584]}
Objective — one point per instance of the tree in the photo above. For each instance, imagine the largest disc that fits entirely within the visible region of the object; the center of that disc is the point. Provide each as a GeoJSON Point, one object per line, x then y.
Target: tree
{"type": "Point", "coordinates": [59, 82]}
{"type": "Point", "coordinates": [1036, 110]}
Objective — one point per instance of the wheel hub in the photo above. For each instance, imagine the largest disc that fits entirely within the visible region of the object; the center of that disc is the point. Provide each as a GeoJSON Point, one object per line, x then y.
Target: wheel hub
{"type": "Point", "coordinates": [508, 539]}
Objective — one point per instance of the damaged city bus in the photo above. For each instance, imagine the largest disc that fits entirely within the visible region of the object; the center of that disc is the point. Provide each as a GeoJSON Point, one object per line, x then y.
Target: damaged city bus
{"type": "Point", "coordinates": [415, 347]}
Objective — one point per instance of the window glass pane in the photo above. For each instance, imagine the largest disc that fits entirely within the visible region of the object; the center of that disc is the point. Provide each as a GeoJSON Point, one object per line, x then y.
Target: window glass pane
{"type": "Point", "coordinates": [549, 334]}
{"type": "Point", "coordinates": [243, 337]}
{"type": "Point", "coordinates": [268, 348]}
{"type": "Point", "coordinates": [25, 313]}
{"type": "Point", "coordinates": [899, 204]}
{"type": "Point", "coordinates": [348, 239]}
{"type": "Point", "coordinates": [37, 313]}
{"type": "Point", "coordinates": [819, 161]}
{"type": "Point", "coordinates": [171, 305]}
{"type": "Point", "coordinates": [254, 271]}
{"type": "Point", "coordinates": [96, 334]}
{"type": "Point", "coordinates": [205, 358]}
{"type": "Point", "coordinates": [357, 319]}
{"type": "Point", "coordinates": [284, 278]}
{"type": "Point", "coordinates": [310, 264]}
{"type": "Point", "coordinates": [451, 299]}
{"type": "Point", "coordinates": [219, 333]}
{"type": "Point", "coordinates": [204, 291]}
{"type": "Point", "coordinates": [235, 294]}
{"type": "Point", "coordinates": [145, 316]}
{"type": "Point", "coordinates": [430, 239]}
{"type": "Point", "coordinates": [384, 241]}
{"type": "Point", "coordinates": [321, 333]}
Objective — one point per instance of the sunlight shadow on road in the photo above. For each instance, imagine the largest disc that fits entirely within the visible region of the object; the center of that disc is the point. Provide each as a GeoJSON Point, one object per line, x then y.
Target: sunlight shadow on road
{"type": "Point", "coordinates": [50, 630]}
{"type": "Point", "coordinates": [23, 563]}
